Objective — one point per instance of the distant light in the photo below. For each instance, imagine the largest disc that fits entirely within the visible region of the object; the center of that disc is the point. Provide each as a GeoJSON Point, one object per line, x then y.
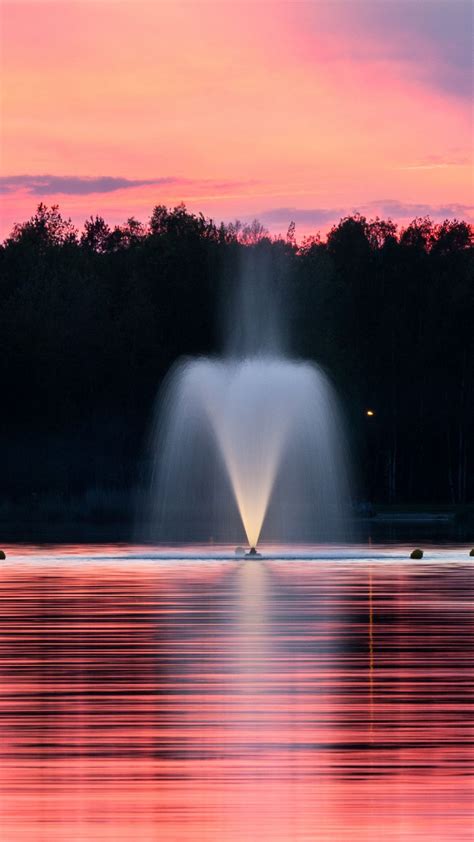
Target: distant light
{"type": "Point", "coordinates": [370, 412]}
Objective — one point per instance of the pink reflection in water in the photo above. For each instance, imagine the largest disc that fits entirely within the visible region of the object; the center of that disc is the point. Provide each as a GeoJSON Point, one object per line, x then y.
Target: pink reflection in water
{"type": "Point", "coordinates": [224, 701]}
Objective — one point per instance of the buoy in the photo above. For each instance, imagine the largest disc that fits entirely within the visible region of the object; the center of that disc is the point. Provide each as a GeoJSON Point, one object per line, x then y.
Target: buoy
{"type": "Point", "coordinates": [417, 554]}
{"type": "Point", "coordinates": [2, 555]}
{"type": "Point", "coordinates": [472, 551]}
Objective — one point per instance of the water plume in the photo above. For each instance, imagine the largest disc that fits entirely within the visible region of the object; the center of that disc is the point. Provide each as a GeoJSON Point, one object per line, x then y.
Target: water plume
{"type": "Point", "coordinates": [248, 441]}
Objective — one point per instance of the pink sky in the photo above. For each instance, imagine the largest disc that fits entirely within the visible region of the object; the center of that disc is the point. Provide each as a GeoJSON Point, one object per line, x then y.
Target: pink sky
{"type": "Point", "coordinates": [293, 110]}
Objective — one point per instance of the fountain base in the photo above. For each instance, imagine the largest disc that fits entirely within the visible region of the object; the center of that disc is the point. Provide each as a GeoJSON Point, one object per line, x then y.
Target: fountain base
{"type": "Point", "coordinates": [252, 553]}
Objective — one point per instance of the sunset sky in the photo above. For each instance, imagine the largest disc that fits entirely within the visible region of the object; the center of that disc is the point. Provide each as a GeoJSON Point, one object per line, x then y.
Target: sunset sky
{"type": "Point", "coordinates": [283, 110]}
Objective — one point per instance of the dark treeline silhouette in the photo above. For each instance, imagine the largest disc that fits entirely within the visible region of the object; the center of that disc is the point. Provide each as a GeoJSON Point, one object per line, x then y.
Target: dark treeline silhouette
{"type": "Point", "coordinates": [90, 322]}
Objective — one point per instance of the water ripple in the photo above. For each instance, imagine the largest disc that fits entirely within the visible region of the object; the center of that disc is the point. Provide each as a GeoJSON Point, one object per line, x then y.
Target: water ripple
{"type": "Point", "coordinates": [225, 701]}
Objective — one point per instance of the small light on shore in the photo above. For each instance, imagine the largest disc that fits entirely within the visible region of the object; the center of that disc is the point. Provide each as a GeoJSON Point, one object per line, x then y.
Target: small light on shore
{"type": "Point", "coordinates": [369, 412]}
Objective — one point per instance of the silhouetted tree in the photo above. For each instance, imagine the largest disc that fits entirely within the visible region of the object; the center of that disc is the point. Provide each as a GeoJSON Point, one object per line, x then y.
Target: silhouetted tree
{"type": "Point", "coordinates": [91, 324]}
{"type": "Point", "coordinates": [44, 229]}
{"type": "Point", "coordinates": [452, 236]}
{"type": "Point", "coordinates": [419, 234]}
{"type": "Point", "coordinates": [252, 233]}
{"type": "Point", "coordinates": [96, 234]}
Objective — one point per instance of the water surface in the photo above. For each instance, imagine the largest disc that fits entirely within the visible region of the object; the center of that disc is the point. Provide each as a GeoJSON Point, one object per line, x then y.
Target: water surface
{"type": "Point", "coordinates": [163, 699]}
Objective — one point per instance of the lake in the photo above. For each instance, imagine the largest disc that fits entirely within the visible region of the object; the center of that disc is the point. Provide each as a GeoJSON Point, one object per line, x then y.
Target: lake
{"type": "Point", "coordinates": [327, 697]}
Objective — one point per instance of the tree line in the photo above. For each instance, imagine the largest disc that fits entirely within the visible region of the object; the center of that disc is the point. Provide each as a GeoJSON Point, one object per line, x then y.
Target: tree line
{"type": "Point", "coordinates": [91, 321]}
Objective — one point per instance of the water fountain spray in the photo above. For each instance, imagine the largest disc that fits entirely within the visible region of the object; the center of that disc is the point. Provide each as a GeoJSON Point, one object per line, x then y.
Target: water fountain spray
{"type": "Point", "coordinates": [250, 440]}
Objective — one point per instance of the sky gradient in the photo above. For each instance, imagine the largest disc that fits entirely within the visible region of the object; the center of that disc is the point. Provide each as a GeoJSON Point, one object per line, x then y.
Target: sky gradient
{"type": "Point", "coordinates": [293, 110]}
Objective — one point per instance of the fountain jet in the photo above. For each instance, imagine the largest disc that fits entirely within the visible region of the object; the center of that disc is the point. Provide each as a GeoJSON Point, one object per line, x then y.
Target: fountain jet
{"type": "Point", "coordinates": [250, 440]}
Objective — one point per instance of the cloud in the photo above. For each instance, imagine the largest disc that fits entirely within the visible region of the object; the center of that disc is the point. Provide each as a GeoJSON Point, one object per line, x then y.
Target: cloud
{"type": "Point", "coordinates": [309, 217]}
{"type": "Point", "coordinates": [304, 216]}
{"type": "Point", "coordinates": [435, 36]}
{"type": "Point", "coordinates": [392, 207]}
{"type": "Point", "coordinates": [429, 40]}
{"type": "Point", "coordinates": [71, 185]}
{"type": "Point", "coordinates": [435, 165]}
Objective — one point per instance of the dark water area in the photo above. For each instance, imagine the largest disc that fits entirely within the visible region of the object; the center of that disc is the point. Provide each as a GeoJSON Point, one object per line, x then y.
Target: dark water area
{"type": "Point", "coordinates": [327, 699]}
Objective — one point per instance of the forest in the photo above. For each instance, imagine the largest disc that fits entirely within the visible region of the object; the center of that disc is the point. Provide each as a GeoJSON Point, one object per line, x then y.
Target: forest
{"type": "Point", "coordinates": [92, 320]}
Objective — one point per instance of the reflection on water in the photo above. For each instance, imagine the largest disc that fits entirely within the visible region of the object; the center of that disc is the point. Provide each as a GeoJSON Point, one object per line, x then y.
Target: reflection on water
{"type": "Point", "coordinates": [223, 701]}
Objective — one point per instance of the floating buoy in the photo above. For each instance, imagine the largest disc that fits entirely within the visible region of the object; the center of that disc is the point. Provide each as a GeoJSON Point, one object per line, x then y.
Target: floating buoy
{"type": "Point", "coordinates": [472, 551]}
{"type": "Point", "coordinates": [2, 555]}
{"type": "Point", "coordinates": [417, 554]}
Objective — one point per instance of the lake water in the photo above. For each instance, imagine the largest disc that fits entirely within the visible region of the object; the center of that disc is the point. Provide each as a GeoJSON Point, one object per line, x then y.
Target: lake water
{"type": "Point", "coordinates": [148, 698]}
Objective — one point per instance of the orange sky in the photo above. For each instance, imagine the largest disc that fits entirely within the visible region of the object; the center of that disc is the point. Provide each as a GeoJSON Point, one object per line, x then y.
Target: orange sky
{"type": "Point", "coordinates": [286, 110]}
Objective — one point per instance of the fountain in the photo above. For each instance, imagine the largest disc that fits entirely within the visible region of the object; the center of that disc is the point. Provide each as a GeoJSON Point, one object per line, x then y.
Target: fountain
{"type": "Point", "coordinates": [249, 443]}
